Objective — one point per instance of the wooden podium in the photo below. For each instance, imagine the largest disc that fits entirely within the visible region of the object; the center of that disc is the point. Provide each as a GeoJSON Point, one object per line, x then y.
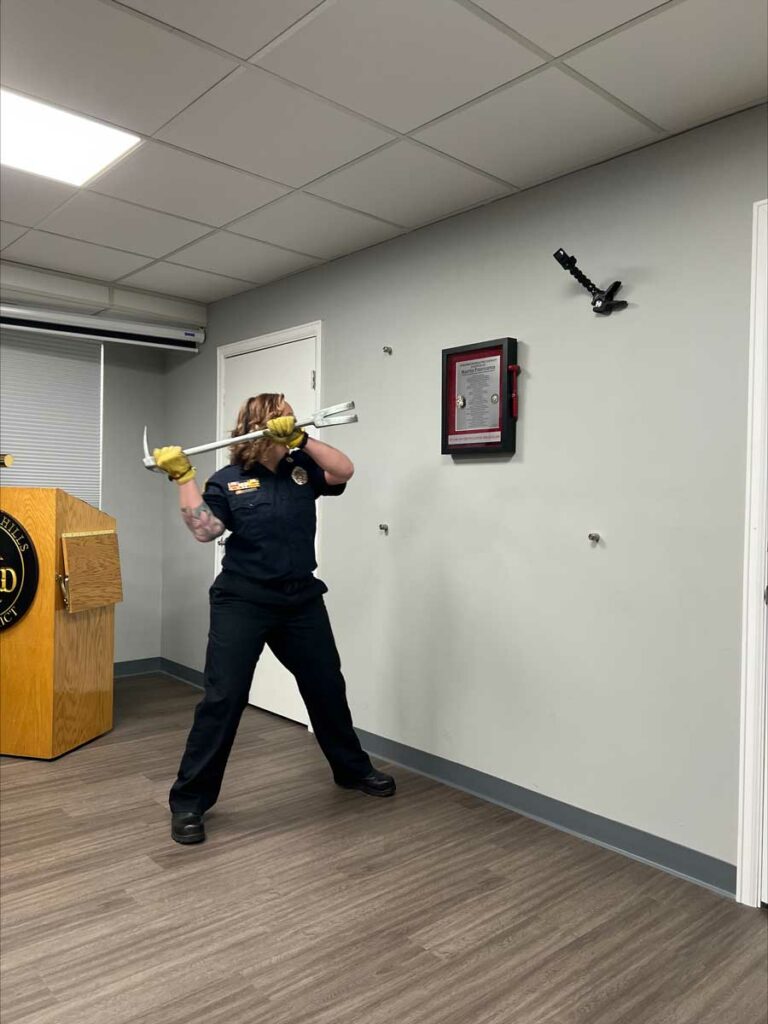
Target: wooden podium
{"type": "Point", "coordinates": [56, 662]}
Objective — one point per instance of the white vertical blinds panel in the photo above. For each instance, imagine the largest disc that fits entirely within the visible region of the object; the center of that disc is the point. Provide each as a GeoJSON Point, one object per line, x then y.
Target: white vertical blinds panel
{"type": "Point", "coordinates": [50, 413]}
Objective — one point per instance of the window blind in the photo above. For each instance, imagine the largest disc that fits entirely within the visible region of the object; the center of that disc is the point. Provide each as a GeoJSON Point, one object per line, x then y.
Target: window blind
{"type": "Point", "coordinates": [50, 413]}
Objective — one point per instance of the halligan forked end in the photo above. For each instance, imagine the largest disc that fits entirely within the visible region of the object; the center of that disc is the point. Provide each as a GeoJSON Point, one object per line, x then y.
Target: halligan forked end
{"type": "Point", "coordinates": [332, 410]}
{"type": "Point", "coordinates": [337, 420]}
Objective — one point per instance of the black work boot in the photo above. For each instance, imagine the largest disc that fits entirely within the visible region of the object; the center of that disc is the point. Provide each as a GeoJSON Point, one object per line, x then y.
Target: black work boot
{"type": "Point", "coordinates": [187, 827]}
{"type": "Point", "coordinates": [375, 783]}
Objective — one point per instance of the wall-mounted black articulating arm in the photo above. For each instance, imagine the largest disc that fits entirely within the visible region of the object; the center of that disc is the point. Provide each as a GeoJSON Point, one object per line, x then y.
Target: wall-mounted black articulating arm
{"type": "Point", "coordinates": [603, 301]}
{"type": "Point", "coordinates": [569, 263]}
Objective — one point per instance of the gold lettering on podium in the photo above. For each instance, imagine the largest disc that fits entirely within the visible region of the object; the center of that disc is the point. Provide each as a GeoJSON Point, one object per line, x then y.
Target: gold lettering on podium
{"type": "Point", "coordinates": [7, 574]}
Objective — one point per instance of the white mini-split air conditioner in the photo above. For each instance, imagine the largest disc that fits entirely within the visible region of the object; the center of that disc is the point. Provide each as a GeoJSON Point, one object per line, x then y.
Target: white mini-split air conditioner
{"type": "Point", "coordinates": [59, 323]}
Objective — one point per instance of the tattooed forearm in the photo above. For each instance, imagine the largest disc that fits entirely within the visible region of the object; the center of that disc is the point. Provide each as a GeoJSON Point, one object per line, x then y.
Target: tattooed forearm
{"type": "Point", "coordinates": [202, 523]}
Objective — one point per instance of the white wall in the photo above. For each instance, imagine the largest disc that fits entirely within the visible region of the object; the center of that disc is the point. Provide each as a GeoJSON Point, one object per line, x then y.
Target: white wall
{"type": "Point", "coordinates": [133, 396]}
{"type": "Point", "coordinates": [485, 629]}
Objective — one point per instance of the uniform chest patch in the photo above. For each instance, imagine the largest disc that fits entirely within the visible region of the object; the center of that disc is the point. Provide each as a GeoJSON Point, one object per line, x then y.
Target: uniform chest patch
{"type": "Point", "coordinates": [243, 485]}
{"type": "Point", "coordinates": [299, 475]}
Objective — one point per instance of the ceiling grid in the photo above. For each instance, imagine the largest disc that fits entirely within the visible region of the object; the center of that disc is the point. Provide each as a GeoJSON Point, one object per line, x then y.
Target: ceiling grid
{"type": "Point", "coordinates": [280, 134]}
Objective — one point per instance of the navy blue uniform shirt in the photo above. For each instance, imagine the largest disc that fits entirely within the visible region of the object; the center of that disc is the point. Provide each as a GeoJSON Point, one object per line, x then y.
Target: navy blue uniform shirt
{"type": "Point", "coordinates": [271, 515]}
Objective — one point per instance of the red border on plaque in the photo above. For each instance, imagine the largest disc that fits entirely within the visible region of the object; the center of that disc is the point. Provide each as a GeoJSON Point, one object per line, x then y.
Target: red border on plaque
{"type": "Point", "coordinates": [450, 398]}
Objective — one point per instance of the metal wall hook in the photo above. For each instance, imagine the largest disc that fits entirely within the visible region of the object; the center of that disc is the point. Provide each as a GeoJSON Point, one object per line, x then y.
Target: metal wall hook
{"type": "Point", "coordinates": [384, 527]}
{"type": "Point", "coordinates": [593, 538]}
{"type": "Point", "coordinates": [387, 350]}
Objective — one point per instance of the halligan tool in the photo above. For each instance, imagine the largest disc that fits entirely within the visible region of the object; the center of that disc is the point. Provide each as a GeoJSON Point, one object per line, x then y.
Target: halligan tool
{"type": "Point", "coordinates": [333, 416]}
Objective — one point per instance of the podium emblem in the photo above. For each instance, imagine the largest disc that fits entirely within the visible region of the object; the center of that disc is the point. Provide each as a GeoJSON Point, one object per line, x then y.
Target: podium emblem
{"type": "Point", "coordinates": [18, 571]}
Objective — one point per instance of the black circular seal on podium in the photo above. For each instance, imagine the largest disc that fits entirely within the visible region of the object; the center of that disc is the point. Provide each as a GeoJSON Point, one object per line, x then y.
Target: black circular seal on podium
{"type": "Point", "coordinates": [19, 571]}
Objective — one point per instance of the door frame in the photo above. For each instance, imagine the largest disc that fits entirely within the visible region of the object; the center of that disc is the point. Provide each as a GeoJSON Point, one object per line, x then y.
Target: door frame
{"type": "Point", "coordinates": [284, 337]}
{"type": "Point", "coordinates": [238, 348]}
{"type": "Point", "coordinates": [313, 329]}
{"type": "Point", "coordinates": [752, 858]}
{"type": "Point", "coordinates": [246, 345]}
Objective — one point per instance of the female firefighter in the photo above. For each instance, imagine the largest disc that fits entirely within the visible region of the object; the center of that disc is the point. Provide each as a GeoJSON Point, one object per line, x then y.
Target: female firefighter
{"type": "Point", "coordinates": [265, 593]}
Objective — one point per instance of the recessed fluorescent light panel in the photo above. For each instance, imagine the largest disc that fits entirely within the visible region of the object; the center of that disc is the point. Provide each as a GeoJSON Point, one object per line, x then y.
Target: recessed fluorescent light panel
{"type": "Point", "coordinates": [43, 140]}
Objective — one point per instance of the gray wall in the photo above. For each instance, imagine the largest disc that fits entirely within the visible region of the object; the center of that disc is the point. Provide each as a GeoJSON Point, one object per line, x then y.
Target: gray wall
{"type": "Point", "coordinates": [188, 566]}
{"type": "Point", "coordinates": [133, 396]}
{"type": "Point", "coordinates": [485, 629]}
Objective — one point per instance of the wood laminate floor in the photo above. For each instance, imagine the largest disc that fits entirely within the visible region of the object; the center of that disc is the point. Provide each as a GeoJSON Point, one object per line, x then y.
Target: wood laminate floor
{"type": "Point", "coordinates": [314, 905]}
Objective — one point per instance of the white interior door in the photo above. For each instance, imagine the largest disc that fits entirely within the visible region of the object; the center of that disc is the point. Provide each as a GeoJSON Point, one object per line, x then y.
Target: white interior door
{"type": "Point", "coordinates": [752, 873]}
{"type": "Point", "coordinates": [758, 516]}
{"type": "Point", "coordinates": [764, 872]}
{"type": "Point", "coordinates": [761, 273]}
{"type": "Point", "coordinates": [289, 368]}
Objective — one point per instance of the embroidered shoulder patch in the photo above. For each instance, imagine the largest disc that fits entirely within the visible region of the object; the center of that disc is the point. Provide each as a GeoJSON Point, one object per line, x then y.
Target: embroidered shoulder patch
{"type": "Point", "coordinates": [244, 485]}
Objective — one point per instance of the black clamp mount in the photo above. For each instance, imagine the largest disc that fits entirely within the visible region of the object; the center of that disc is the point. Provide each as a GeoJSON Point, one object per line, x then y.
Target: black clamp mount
{"type": "Point", "coordinates": [603, 301]}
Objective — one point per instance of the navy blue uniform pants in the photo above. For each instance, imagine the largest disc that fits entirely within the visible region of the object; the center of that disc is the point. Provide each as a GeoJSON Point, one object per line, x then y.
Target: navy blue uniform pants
{"type": "Point", "coordinates": [294, 623]}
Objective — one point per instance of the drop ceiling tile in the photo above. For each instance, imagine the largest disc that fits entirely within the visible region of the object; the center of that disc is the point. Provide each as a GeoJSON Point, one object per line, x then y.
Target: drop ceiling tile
{"type": "Point", "coordinates": [185, 283]}
{"type": "Point", "coordinates": [224, 253]}
{"type": "Point", "coordinates": [9, 233]}
{"type": "Point", "coordinates": [537, 129]}
{"type": "Point", "coordinates": [403, 62]}
{"type": "Point", "coordinates": [314, 226]}
{"type": "Point", "coordinates": [409, 185]}
{"type": "Point", "coordinates": [103, 61]}
{"type": "Point", "coordinates": [686, 64]}
{"type": "Point", "coordinates": [559, 25]}
{"type": "Point", "coordinates": [93, 218]}
{"type": "Point", "coordinates": [239, 26]}
{"type": "Point", "coordinates": [260, 124]}
{"type": "Point", "coordinates": [70, 256]}
{"type": "Point", "coordinates": [166, 179]}
{"type": "Point", "coordinates": [27, 198]}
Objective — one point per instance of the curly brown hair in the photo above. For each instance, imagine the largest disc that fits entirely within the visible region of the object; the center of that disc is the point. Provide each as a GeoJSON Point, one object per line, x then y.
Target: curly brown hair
{"type": "Point", "coordinates": [253, 415]}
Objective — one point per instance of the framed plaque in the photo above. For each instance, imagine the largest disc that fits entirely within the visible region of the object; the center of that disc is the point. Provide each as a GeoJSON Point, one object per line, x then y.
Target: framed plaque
{"type": "Point", "coordinates": [480, 398]}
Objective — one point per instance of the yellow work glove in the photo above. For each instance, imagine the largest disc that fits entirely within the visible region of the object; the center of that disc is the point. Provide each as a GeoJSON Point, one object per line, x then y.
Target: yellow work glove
{"type": "Point", "coordinates": [175, 463]}
{"type": "Point", "coordinates": [283, 430]}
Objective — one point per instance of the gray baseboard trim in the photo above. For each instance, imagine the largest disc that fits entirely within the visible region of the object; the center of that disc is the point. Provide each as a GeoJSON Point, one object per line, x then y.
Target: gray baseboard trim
{"type": "Point", "coordinates": [139, 667]}
{"type": "Point", "coordinates": [146, 666]}
{"type": "Point", "coordinates": [673, 858]}
{"type": "Point", "coordinates": [178, 671]}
